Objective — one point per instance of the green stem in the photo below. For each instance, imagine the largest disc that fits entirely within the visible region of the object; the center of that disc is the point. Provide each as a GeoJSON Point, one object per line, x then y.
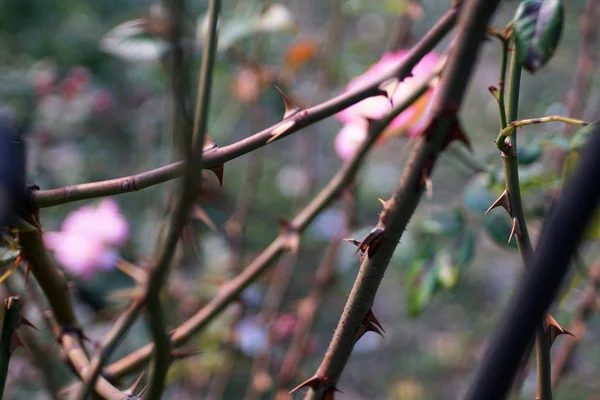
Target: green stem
{"type": "Point", "coordinates": [10, 324]}
{"type": "Point", "coordinates": [508, 147]}
{"type": "Point", "coordinates": [191, 178]}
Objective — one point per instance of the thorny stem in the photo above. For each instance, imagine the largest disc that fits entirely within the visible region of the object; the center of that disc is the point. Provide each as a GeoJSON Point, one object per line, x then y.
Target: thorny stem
{"type": "Point", "coordinates": [233, 288]}
{"type": "Point", "coordinates": [400, 208]}
{"type": "Point", "coordinates": [511, 174]}
{"type": "Point", "coordinates": [159, 276]}
{"type": "Point", "coordinates": [218, 156]}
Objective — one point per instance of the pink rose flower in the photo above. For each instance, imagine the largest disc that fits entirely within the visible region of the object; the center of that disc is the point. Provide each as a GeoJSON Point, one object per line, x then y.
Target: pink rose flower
{"type": "Point", "coordinates": [411, 121]}
{"type": "Point", "coordinates": [89, 238]}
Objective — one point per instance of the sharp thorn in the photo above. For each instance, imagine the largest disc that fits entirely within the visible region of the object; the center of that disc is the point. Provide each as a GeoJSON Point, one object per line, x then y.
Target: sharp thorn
{"type": "Point", "coordinates": [516, 229]}
{"type": "Point", "coordinates": [310, 382]}
{"type": "Point", "coordinates": [218, 171]}
{"type": "Point", "coordinates": [290, 107]}
{"type": "Point", "coordinates": [370, 318]}
{"type": "Point", "coordinates": [388, 88]}
{"type": "Point", "coordinates": [502, 201]}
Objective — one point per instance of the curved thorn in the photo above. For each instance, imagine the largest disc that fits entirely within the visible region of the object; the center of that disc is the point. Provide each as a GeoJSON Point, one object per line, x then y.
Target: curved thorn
{"type": "Point", "coordinates": [290, 107]}
{"type": "Point", "coordinates": [502, 201]}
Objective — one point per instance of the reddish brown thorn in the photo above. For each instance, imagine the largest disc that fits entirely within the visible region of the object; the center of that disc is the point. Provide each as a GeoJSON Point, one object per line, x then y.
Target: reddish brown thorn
{"type": "Point", "coordinates": [370, 243]}
{"type": "Point", "coordinates": [218, 171]}
{"type": "Point", "coordinates": [330, 393]}
{"type": "Point", "coordinates": [516, 229]}
{"type": "Point", "coordinates": [502, 201]}
{"type": "Point", "coordinates": [493, 90]}
{"type": "Point", "coordinates": [290, 107]}
{"type": "Point", "coordinates": [457, 133]}
{"type": "Point", "coordinates": [284, 223]}
{"type": "Point", "coordinates": [370, 318]}
{"type": "Point", "coordinates": [310, 382]}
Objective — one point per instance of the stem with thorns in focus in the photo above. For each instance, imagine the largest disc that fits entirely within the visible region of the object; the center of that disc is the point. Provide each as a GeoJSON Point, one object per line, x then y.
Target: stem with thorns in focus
{"type": "Point", "coordinates": [357, 317]}
{"type": "Point", "coordinates": [216, 157]}
{"type": "Point", "coordinates": [231, 290]}
{"type": "Point", "coordinates": [508, 147]}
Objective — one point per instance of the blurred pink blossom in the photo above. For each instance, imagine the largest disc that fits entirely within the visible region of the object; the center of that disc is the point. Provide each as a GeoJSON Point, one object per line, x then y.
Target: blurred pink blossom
{"type": "Point", "coordinates": [412, 121]}
{"type": "Point", "coordinates": [89, 238]}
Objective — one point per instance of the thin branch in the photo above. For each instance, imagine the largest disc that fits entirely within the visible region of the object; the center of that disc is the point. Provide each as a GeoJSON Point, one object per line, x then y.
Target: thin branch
{"type": "Point", "coordinates": [584, 311]}
{"type": "Point", "coordinates": [357, 317]}
{"type": "Point", "coordinates": [584, 73]}
{"type": "Point", "coordinates": [308, 308]}
{"type": "Point", "coordinates": [110, 343]}
{"type": "Point", "coordinates": [233, 288]}
{"type": "Point", "coordinates": [510, 128]}
{"type": "Point", "coordinates": [508, 147]}
{"type": "Point", "coordinates": [158, 277]}
{"type": "Point", "coordinates": [218, 156]}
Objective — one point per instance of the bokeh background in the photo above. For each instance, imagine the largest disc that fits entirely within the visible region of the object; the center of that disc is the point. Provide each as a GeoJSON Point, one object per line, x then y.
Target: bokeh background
{"type": "Point", "coordinates": [98, 108]}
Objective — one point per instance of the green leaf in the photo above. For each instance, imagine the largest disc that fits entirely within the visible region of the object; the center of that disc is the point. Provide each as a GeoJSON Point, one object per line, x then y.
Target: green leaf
{"type": "Point", "coordinates": [447, 271]}
{"type": "Point", "coordinates": [130, 41]}
{"type": "Point", "coordinates": [498, 225]}
{"type": "Point", "coordinates": [476, 196]}
{"type": "Point", "coordinates": [466, 251]}
{"type": "Point", "coordinates": [8, 255]}
{"type": "Point", "coordinates": [537, 26]}
{"type": "Point", "coordinates": [529, 153]}
{"type": "Point", "coordinates": [582, 136]}
{"type": "Point", "coordinates": [446, 223]}
{"type": "Point", "coordinates": [421, 284]}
